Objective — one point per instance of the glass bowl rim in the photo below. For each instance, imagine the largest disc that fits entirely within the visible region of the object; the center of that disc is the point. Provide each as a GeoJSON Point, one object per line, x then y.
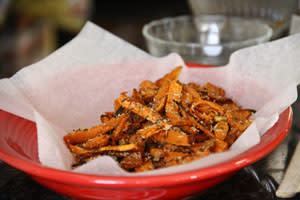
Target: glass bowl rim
{"type": "Point", "coordinates": [232, 44]}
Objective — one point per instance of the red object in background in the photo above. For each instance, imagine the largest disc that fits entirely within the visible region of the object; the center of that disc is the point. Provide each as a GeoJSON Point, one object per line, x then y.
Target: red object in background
{"type": "Point", "coordinates": [18, 148]}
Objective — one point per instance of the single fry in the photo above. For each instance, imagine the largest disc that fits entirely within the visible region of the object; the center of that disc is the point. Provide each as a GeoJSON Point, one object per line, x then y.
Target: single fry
{"type": "Point", "coordinates": [148, 90]}
{"type": "Point", "coordinates": [159, 100]}
{"type": "Point", "coordinates": [210, 104]}
{"type": "Point", "coordinates": [136, 96]}
{"type": "Point", "coordinates": [181, 122]}
{"type": "Point", "coordinates": [191, 91]}
{"type": "Point", "coordinates": [157, 153]}
{"type": "Point", "coordinates": [125, 147]}
{"type": "Point", "coordinates": [79, 151]}
{"type": "Point", "coordinates": [119, 128]}
{"type": "Point", "coordinates": [132, 161]}
{"type": "Point", "coordinates": [98, 141]}
{"type": "Point", "coordinates": [172, 76]}
{"type": "Point", "coordinates": [220, 146]}
{"type": "Point", "coordinates": [173, 137]}
{"type": "Point", "coordinates": [172, 158]}
{"type": "Point", "coordinates": [139, 109]}
{"type": "Point", "coordinates": [80, 136]}
{"type": "Point", "coordinates": [149, 131]}
{"type": "Point", "coordinates": [174, 95]}
{"type": "Point", "coordinates": [145, 167]}
{"type": "Point", "coordinates": [207, 145]}
{"type": "Point", "coordinates": [214, 92]}
{"type": "Point", "coordinates": [221, 129]}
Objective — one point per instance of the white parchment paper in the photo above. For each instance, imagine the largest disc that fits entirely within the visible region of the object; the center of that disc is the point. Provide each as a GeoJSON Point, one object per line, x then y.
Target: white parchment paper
{"type": "Point", "coordinates": [72, 87]}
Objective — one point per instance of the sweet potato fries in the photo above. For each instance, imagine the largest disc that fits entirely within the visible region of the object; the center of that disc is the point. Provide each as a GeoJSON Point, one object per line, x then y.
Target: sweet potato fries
{"type": "Point", "coordinates": [163, 123]}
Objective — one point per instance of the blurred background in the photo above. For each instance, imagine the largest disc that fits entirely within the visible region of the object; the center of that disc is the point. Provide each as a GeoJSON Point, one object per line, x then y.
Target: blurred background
{"type": "Point", "coordinates": [30, 29]}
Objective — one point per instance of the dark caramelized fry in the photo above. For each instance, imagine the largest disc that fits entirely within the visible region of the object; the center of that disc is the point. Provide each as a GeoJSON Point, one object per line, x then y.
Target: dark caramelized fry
{"type": "Point", "coordinates": [195, 120]}
{"type": "Point", "coordinates": [136, 96]}
{"type": "Point", "coordinates": [133, 160]}
{"type": "Point", "coordinates": [107, 116]}
{"type": "Point", "coordinates": [163, 123]}
{"type": "Point", "coordinates": [157, 153]}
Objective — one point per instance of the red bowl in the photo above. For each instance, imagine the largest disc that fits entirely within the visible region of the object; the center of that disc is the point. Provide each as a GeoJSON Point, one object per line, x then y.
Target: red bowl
{"type": "Point", "coordinates": [18, 148]}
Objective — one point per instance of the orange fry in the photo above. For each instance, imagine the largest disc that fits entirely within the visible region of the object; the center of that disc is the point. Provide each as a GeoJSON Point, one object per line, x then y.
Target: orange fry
{"type": "Point", "coordinates": [97, 141]}
{"type": "Point", "coordinates": [157, 153]}
{"type": "Point", "coordinates": [207, 145]}
{"type": "Point", "coordinates": [136, 96]}
{"type": "Point", "coordinates": [238, 115]}
{"type": "Point", "coordinates": [133, 160]}
{"type": "Point", "coordinates": [174, 94]}
{"type": "Point", "coordinates": [148, 89]}
{"type": "Point", "coordinates": [220, 146]}
{"type": "Point", "coordinates": [221, 130]}
{"type": "Point", "coordinates": [120, 127]}
{"type": "Point", "coordinates": [117, 104]}
{"type": "Point", "coordinates": [148, 84]}
{"type": "Point", "coordinates": [191, 130]}
{"type": "Point", "coordinates": [173, 137]}
{"type": "Point", "coordinates": [81, 151]}
{"type": "Point", "coordinates": [213, 91]}
{"type": "Point", "coordinates": [202, 128]}
{"type": "Point", "coordinates": [106, 117]}
{"type": "Point", "coordinates": [208, 103]}
{"type": "Point", "coordinates": [206, 118]}
{"type": "Point", "coordinates": [193, 92]}
{"type": "Point", "coordinates": [161, 96]}
{"type": "Point", "coordinates": [186, 98]}
{"type": "Point", "coordinates": [196, 121]}
{"type": "Point", "coordinates": [149, 131]}
{"type": "Point", "coordinates": [170, 156]}
{"type": "Point", "coordinates": [173, 75]}
{"type": "Point", "coordinates": [125, 147]}
{"type": "Point", "coordinates": [201, 154]}
{"type": "Point", "coordinates": [80, 136]}
{"type": "Point", "coordinates": [139, 109]}
{"type": "Point", "coordinates": [181, 122]}
{"type": "Point", "coordinates": [145, 167]}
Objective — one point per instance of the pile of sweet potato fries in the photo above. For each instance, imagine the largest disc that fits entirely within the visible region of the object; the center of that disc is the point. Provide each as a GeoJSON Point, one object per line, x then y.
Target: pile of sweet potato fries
{"type": "Point", "coordinates": [163, 123]}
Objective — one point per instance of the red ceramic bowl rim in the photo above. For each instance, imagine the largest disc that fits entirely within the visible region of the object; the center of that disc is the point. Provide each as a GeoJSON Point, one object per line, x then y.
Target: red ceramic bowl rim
{"type": "Point", "coordinates": [37, 170]}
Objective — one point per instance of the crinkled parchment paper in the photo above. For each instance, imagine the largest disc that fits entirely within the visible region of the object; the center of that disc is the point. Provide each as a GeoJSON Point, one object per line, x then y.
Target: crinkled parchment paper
{"type": "Point", "coordinates": [72, 87]}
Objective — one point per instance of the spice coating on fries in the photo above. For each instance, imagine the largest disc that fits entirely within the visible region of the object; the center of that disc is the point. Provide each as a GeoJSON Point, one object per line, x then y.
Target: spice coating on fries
{"type": "Point", "coordinates": [163, 123]}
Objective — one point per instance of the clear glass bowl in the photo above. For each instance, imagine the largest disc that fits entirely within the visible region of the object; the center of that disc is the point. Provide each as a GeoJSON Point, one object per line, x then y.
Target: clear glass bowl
{"type": "Point", "coordinates": [204, 39]}
{"type": "Point", "coordinates": [276, 13]}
